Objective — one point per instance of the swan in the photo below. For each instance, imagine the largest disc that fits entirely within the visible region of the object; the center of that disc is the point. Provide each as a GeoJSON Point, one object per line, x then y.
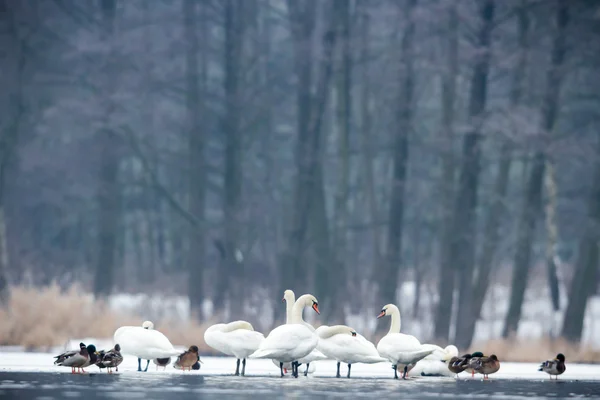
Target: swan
{"type": "Point", "coordinates": [289, 297]}
{"type": "Point", "coordinates": [398, 348]}
{"type": "Point", "coordinates": [343, 344]}
{"type": "Point", "coordinates": [238, 339]}
{"type": "Point", "coordinates": [291, 342]}
{"type": "Point", "coordinates": [144, 342]}
{"type": "Point", "coordinates": [435, 364]}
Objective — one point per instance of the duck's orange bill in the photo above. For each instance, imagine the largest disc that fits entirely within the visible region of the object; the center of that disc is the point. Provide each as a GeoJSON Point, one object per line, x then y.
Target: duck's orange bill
{"type": "Point", "coordinates": [316, 308]}
{"type": "Point", "coordinates": [381, 314]}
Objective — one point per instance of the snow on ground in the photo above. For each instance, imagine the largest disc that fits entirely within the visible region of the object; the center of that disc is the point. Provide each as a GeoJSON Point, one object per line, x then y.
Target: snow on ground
{"type": "Point", "coordinates": [215, 366]}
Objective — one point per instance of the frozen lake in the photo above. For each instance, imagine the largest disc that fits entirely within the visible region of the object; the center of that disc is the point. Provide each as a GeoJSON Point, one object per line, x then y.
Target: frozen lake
{"type": "Point", "coordinates": [32, 376]}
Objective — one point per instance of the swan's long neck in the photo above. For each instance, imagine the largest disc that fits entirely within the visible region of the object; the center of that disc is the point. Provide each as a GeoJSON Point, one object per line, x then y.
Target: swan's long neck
{"type": "Point", "coordinates": [298, 308]}
{"type": "Point", "coordinates": [396, 322]}
{"type": "Point", "coordinates": [232, 326]}
{"type": "Point", "coordinates": [289, 307]}
{"type": "Point", "coordinates": [334, 330]}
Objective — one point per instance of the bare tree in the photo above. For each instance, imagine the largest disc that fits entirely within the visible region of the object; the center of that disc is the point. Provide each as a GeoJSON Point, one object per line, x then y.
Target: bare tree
{"type": "Point", "coordinates": [533, 200]}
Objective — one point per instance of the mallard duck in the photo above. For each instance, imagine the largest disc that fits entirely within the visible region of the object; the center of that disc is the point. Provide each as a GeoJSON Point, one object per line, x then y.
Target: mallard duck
{"type": "Point", "coordinates": [554, 367]}
{"type": "Point", "coordinates": [162, 362]}
{"type": "Point", "coordinates": [472, 362]}
{"type": "Point", "coordinates": [459, 364]}
{"type": "Point", "coordinates": [195, 367]}
{"type": "Point", "coordinates": [487, 365]}
{"type": "Point", "coordinates": [110, 359]}
{"type": "Point", "coordinates": [76, 358]}
{"type": "Point", "coordinates": [187, 359]}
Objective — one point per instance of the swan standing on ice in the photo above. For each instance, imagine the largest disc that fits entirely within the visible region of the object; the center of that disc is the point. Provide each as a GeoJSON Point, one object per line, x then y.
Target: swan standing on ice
{"type": "Point", "coordinates": [291, 342]}
{"type": "Point", "coordinates": [144, 342]}
{"type": "Point", "coordinates": [400, 349]}
{"type": "Point", "coordinates": [343, 344]}
{"type": "Point", "coordinates": [238, 339]}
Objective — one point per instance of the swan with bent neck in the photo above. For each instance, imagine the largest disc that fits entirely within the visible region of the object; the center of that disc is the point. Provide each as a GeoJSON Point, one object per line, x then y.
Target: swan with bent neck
{"type": "Point", "coordinates": [400, 349]}
{"type": "Point", "coordinates": [292, 341]}
{"type": "Point", "coordinates": [435, 364]}
{"type": "Point", "coordinates": [237, 338]}
{"type": "Point", "coordinates": [343, 344]}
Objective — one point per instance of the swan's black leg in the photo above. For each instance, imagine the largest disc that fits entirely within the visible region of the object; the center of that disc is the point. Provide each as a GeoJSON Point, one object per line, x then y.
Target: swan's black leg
{"type": "Point", "coordinates": [349, 366]}
{"type": "Point", "coordinates": [139, 365]}
{"type": "Point", "coordinates": [244, 367]}
{"type": "Point", "coordinates": [281, 368]}
{"type": "Point", "coordinates": [306, 370]}
{"type": "Point", "coordinates": [395, 371]}
{"type": "Point", "coordinates": [237, 367]}
{"type": "Point", "coordinates": [405, 372]}
{"type": "Point", "coordinates": [296, 365]}
{"type": "Point", "coordinates": [338, 371]}
{"type": "Point", "coordinates": [147, 363]}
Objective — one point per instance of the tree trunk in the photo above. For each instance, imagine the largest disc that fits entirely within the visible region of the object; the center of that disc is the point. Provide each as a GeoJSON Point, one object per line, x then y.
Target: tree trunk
{"type": "Point", "coordinates": [497, 208]}
{"type": "Point", "coordinates": [443, 311]}
{"type": "Point", "coordinates": [388, 271]}
{"type": "Point", "coordinates": [108, 190]}
{"type": "Point", "coordinates": [533, 200]}
{"type": "Point", "coordinates": [195, 79]}
{"type": "Point", "coordinates": [292, 269]}
{"type": "Point", "coordinates": [463, 246]}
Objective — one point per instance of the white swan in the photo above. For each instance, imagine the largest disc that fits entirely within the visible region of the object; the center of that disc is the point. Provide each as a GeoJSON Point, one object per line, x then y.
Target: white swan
{"type": "Point", "coordinates": [343, 344]}
{"type": "Point", "coordinates": [400, 349]}
{"type": "Point", "coordinates": [435, 364]}
{"type": "Point", "coordinates": [144, 342]}
{"type": "Point", "coordinates": [291, 342]}
{"type": "Point", "coordinates": [290, 298]}
{"type": "Point", "coordinates": [238, 339]}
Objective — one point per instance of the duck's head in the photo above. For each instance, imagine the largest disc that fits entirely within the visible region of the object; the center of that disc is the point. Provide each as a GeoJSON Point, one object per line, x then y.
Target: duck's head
{"type": "Point", "coordinates": [288, 296]}
{"type": "Point", "coordinates": [493, 357]}
{"type": "Point", "coordinates": [117, 347]}
{"type": "Point", "coordinates": [82, 346]}
{"type": "Point", "coordinates": [385, 310]}
{"type": "Point", "coordinates": [148, 325]}
{"type": "Point", "coordinates": [193, 349]}
{"type": "Point", "coordinates": [91, 349]}
{"type": "Point", "coordinates": [560, 357]}
{"type": "Point", "coordinates": [477, 354]}
{"type": "Point", "coordinates": [353, 333]}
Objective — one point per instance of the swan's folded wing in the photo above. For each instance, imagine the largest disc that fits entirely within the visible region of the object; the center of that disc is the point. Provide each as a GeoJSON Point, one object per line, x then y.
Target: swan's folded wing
{"type": "Point", "coordinates": [282, 339]}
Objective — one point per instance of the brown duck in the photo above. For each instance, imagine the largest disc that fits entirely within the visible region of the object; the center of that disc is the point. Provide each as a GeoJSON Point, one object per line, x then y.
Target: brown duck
{"type": "Point", "coordinates": [554, 367]}
{"type": "Point", "coordinates": [459, 364]}
{"type": "Point", "coordinates": [487, 365]}
{"type": "Point", "coordinates": [187, 359]}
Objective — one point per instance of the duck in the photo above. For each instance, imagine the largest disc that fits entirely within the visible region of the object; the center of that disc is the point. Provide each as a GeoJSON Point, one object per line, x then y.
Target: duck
{"type": "Point", "coordinates": [398, 348]}
{"type": "Point", "coordinates": [110, 359]}
{"type": "Point", "coordinates": [456, 365]}
{"type": "Point", "coordinates": [435, 364]}
{"type": "Point", "coordinates": [144, 343]}
{"type": "Point", "coordinates": [237, 338]}
{"type": "Point", "coordinates": [472, 362]}
{"type": "Point", "coordinates": [554, 367]}
{"type": "Point", "coordinates": [195, 367]}
{"type": "Point", "coordinates": [343, 344]}
{"type": "Point", "coordinates": [77, 359]}
{"type": "Point", "coordinates": [291, 342]}
{"type": "Point", "coordinates": [188, 358]}
{"type": "Point", "coordinates": [162, 362]}
{"type": "Point", "coordinates": [487, 365]}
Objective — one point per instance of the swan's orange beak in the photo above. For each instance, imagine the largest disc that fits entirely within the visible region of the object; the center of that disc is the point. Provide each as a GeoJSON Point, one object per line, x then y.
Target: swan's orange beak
{"type": "Point", "coordinates": [381, 314]}
{"type": "Point", "coordinates": [315, 307]}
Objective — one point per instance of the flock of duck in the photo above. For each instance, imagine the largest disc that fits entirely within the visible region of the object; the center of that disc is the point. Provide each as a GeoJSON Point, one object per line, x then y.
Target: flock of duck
{"type": "Point", "coordinates": [293, 344]}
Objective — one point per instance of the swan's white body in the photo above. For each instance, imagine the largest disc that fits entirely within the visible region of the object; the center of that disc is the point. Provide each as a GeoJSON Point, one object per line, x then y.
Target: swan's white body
{"type": "Point", "coordinates": [338, 343]}
{"type": "Point", "coordinates": [238, 338]}
{"type": "Point", "coordinates": [435, 364]}
{"type": "Point", "coordinates": [143, 343]}
{"type": "Point", "coordinates": [400, 349]}
{"type": "Point", "coordinates": [290, 342]}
